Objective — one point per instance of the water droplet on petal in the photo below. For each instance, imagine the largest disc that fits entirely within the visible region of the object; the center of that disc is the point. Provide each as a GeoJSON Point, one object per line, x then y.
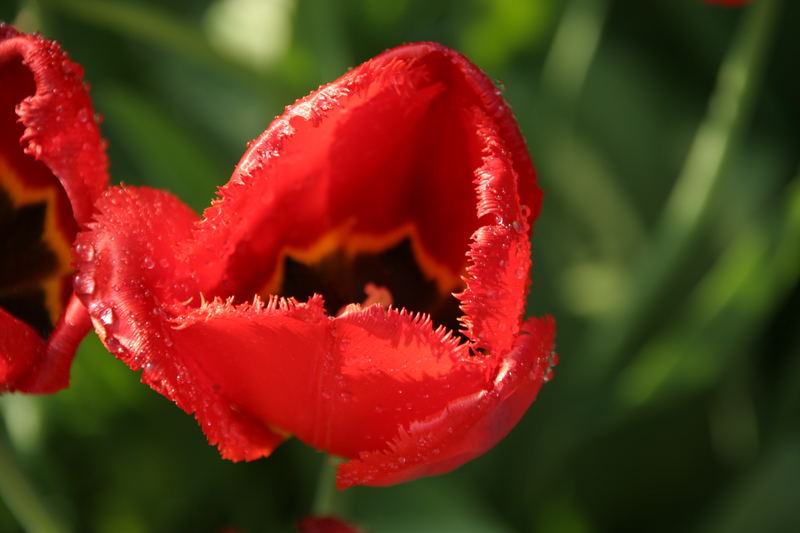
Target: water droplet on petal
{"type": "Point", "coordinates": [103, 313]}
{"type": "Point", "coordinates": [107, 317]}
{"type": "Point", "coordinates": [113, 345]}
{"type": "Point", "coordinates": [83, 114]}
{"type": "Point", "coordinates": [84, 284]}
{"type": "Point", "coordinates": [148, 262]}
{"type": "Point", "coordinates": [85, 252]}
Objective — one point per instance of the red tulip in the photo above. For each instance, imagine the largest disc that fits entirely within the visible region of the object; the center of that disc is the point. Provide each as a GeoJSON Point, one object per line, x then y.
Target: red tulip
{"type": "Point", "coordinates": [385, 220]}
{"type": "Point", "coordinates": [52, 168]}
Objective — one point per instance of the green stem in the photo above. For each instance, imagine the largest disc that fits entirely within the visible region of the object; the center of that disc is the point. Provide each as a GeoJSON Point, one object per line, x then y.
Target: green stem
{"type": "Point", "coordinates": [21, 497]}
{"type": "Point", "coordinates": [687, 210]}
{"type": "Point", "coordinates": [327, 500]}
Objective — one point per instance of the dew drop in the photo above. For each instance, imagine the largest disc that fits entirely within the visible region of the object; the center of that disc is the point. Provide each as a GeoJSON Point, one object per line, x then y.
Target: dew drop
{"type": "Point", "coordinates": [107, 316]}
{"type": "Point", "coordinates": [113, 345]}
{"type": "Point", "coordinates": [148, 262]}
{"type": "Point", "coordinates": [85, 252]}
{"type": "Point", "coordinates": [516, 226]}
{"type": "Point", "coordinates": [103, 313]}
{"type": "Point", "coordinates": [83, 115]}
{"type": "Point", "coordinates": [84, 284]}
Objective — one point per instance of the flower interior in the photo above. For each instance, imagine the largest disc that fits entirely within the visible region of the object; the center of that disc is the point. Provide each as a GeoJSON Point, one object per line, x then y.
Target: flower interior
{"type": "Point", "coordinates": [374, 204]}
{"type": "Point", "coordinates": [36, 222]}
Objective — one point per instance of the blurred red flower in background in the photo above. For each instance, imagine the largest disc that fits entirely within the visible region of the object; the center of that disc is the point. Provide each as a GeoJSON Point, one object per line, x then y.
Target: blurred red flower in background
{"type": "Point", "coordinates": [397, 202]}
{"type": "Point", "coordinates": [729, 3]}
{"type": "Point", "coordinates": [326, 524]}
{"type": "Point", "coordinates": [52, 168]}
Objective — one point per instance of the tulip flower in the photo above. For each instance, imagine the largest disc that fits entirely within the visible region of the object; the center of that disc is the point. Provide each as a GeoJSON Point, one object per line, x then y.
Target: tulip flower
{"type": "Point", "coordinates": [52, 168]}
{"type": "Point", "coordinates": [359, 283]}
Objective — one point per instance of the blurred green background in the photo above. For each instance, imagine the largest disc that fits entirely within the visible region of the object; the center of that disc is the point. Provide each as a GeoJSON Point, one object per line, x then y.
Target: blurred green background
{"type": "Point", "coordinates": [666, 136]}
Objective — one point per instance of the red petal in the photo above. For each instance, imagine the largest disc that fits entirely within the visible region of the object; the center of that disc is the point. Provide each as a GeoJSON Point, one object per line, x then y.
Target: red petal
{"type": "Point", "coordinates": [20, 347]}
{"type": "Point", "coordinates": [50, 151]}
{"type": "Point", "coordinates": [58, 119]}
{"type": "Point", "coordinates": [468, 425]}
{"type": "Point", "coordinates": [50, 372]}
{"type": "Point", "coordinates": [494, 299]}
{"type": "Point", "coordinates": [130, 281]}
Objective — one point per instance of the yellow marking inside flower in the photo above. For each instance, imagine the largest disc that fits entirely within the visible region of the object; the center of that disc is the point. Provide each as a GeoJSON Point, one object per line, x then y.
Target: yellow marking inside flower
{"type": "Point", "coordinates": [22, 195]}
{"type": "Point", "coordinates": [353, 244]}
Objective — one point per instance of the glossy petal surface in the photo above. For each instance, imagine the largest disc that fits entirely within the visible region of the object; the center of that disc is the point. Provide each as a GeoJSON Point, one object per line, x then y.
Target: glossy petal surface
{"type": "Point", "coordinates": [315, 296]}
{"type": "Point", "coordinates": [52, 168]}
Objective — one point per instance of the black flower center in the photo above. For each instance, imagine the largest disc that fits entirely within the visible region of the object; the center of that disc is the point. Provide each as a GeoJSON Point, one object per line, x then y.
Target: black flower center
{"type": "Point", "coordinates": [33, 271]}
{"type": "Point", "coordinates": [360, 278]}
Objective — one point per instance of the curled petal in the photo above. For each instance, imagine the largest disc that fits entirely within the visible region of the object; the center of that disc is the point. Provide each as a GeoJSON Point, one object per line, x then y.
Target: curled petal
{"type": "Point", "coordinates": [59, 125]}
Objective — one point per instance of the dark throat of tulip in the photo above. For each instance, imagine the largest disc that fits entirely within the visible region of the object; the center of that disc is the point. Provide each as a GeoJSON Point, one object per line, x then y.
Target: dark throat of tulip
{"type": "Point", "coordinates": [397, 274]}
